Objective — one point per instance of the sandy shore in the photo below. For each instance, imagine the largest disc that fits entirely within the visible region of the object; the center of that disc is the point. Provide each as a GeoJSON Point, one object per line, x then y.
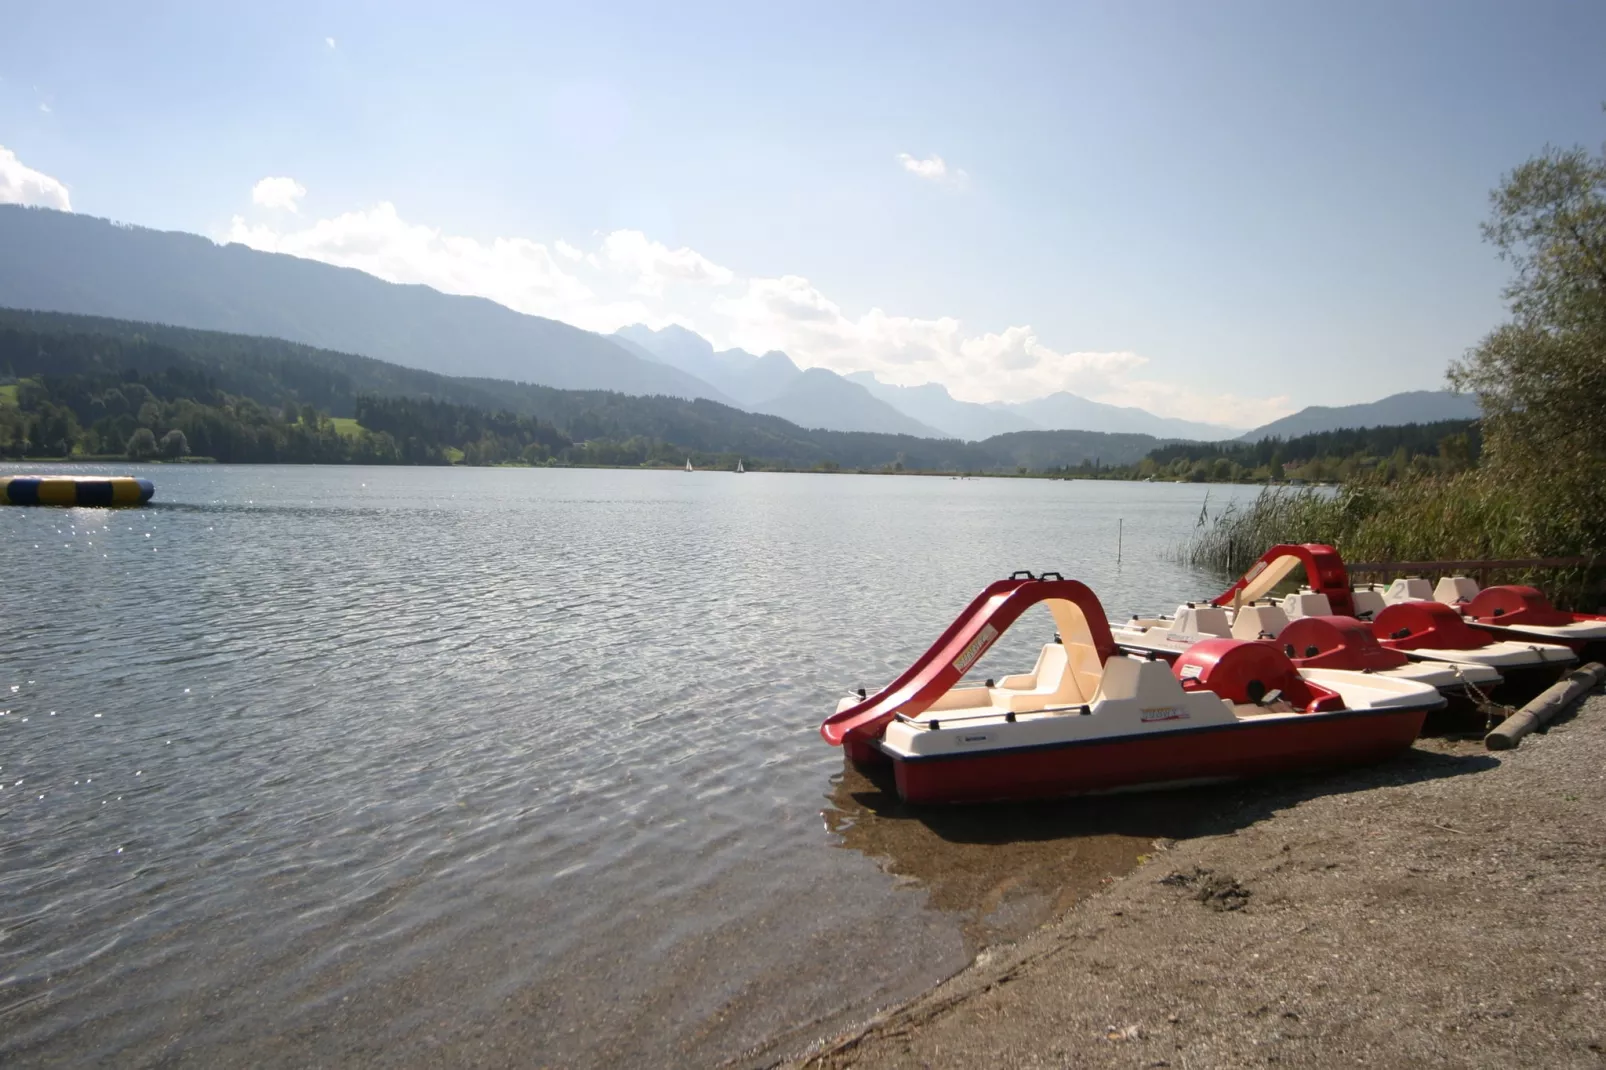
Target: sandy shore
{"type": "Point", "coordinates": [1441, 910]}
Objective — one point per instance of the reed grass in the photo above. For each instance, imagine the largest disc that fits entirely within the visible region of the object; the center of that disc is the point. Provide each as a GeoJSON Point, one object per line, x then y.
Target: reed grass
{"type": "Point", "coordinates": [1468, 516]}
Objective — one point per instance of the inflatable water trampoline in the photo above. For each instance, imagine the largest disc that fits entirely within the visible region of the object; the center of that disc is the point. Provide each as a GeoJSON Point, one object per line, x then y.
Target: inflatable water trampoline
{"type": "Point", "coordinates": [75, 490]}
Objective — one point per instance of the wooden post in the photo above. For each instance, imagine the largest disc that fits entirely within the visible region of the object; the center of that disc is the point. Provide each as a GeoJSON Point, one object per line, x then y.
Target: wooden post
{"type": "Point", "coordinates": [1542, 710]}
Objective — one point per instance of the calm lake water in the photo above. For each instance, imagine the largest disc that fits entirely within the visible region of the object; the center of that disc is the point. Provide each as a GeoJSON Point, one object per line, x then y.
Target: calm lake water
{"type": "Point", "coordinates": [512, 767]}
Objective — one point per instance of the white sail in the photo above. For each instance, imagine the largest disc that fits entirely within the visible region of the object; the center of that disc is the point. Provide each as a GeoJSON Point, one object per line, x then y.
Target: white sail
{"type": "Point", "coordinates": [688, 464]}
{"type": "Point", "coordinates": [739, 467]}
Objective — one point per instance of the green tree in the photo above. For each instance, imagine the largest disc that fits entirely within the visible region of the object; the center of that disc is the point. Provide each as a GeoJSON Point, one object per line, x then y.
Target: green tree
{"type": "Point", "coordinates": [141, 445]}
{"type": "Point", "coordinates": [1455, 453]}
{"type": "Point", "coordinates": [174, 445]}
{"type": "Point", "coordinates": [1541, 378]}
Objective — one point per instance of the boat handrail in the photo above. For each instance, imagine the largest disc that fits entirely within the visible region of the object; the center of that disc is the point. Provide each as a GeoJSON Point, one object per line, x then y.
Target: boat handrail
{"type": "Point", "coordinates": [1009, 716]}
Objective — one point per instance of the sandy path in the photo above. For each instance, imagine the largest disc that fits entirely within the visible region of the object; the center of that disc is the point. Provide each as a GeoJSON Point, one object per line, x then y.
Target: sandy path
{"type": "Point", "coordinates": [1441, 910]}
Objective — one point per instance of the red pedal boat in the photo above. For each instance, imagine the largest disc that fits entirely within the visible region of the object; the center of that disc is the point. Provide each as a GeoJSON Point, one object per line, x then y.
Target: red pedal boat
{"type": "Point", "coordinates": [1087, 718]}
{"type": "Point", "coordinates": [1511, 611]}
{"type": "Point", "coordinates": [1428, 632]}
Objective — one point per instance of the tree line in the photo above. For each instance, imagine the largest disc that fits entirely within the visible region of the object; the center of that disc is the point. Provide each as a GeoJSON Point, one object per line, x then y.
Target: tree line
{"type": "Point", "coordinates": [88, 386]}
{"type": "Point", "coordinates": [1382, 453]}
{"type": "Point", "coordinates": [81, 385]}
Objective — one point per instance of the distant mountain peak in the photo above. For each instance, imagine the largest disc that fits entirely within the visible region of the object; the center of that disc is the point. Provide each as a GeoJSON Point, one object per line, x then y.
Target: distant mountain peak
{"type": "Point", "coordinates": [1059, 411]}
{"type": "Point", "coordinates": [672, 339]}
{"type": "Point", "coordinates": [819, 397]}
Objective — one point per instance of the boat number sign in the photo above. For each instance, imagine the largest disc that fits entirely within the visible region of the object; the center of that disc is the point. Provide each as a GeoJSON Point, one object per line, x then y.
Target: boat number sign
{"type": "Point", "coordinates": [975, 648]}
{"type": "Point", "coordinates": [1164, 713]}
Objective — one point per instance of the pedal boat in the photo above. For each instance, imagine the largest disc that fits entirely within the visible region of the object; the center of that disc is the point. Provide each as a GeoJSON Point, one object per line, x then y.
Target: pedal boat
{"type": "Point", "coordinates": [1424, 631]}
{"type": "Point", "coordinates": [1510, 611]}
{"type": "Point", "coordinates": [1087, 718]}
{"type": "Point", "coordinates": [1313, 641]}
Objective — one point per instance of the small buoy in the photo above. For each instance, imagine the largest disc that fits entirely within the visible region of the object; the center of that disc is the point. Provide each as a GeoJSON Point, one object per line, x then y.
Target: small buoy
{"type": "Point", "coordinates": [75, 490]}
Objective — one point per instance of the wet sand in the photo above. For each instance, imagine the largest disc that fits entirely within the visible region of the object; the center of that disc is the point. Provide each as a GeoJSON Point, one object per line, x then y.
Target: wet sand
{"type": "Point", "coordinates": [1442, 909]}
{"type": "Point", "coordinates": [1005, 870]}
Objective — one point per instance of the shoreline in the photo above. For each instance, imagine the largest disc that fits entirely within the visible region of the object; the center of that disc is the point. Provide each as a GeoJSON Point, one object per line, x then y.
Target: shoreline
{"type": "Point", "coordinates": [1441, 908]}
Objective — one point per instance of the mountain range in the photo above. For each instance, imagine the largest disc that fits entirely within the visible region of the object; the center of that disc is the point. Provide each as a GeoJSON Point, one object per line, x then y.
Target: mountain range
{"type": "Point", "coordinates": [859, 401]}
{"type": "Point", "coordinates": [64, 262]}
{"type": "Point", "coordinates": [1410, 407]}
{"type": "Point", "coordinates": [231, 384]}
{"type": "Point", "coordinates": [773, 384]}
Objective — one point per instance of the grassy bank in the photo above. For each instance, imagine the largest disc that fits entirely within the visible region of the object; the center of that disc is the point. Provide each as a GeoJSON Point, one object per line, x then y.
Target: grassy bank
{"type": "Point", "coordinates": [1461, 517]}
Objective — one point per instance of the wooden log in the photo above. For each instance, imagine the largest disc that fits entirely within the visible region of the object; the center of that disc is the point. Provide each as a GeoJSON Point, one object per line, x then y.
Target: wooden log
{"type": "Point", "coordinates": [1542, 710]}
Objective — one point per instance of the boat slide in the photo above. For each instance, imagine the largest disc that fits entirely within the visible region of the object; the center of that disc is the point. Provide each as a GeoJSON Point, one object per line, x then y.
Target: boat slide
{"type": "Point", "coordinates": [935, 673]}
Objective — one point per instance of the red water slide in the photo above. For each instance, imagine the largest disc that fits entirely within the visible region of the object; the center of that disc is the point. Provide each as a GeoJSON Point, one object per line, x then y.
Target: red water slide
{"type": "Point", "coordinates": [1324, 573]}
{"type": "Point", "coordinates": [960, 647]}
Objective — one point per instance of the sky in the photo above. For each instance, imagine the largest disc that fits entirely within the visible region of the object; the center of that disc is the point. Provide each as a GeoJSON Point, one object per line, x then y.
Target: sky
{"type": "Point", "coordinates": [1223, 211]}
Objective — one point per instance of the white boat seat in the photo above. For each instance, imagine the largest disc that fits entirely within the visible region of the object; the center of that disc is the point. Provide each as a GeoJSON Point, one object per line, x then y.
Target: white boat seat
{"type": "Point", "coordinates": [1307, 604]}
{"type": "Point", "coordinates": [1200, 622]}
{"type": "Point", "coordinates": [1411, 589]}
{"type": "Point", "coordinates": [1259, 622]}
{"type": "Point", "coordinates": [1148, 682]}
{"type": "Point", "coordinates": [1027, 681]}
{"type": "Point", "coordinates": [1369, 603]}
{"type": "Point", "coordinates": [1454, 590]}
{"type": "Point", "coordinates": [962, 698]}
{"type": "Point", "coordinates": [1052, 684]}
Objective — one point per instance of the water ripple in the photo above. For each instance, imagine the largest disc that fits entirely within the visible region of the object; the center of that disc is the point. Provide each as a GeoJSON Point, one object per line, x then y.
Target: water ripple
{"type": "Point", "coordinates": [308, 763]}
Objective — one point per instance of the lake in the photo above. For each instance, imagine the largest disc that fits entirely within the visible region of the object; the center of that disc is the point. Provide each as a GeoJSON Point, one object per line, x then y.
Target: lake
{"type": "Point", "coordinates": [511, 766]}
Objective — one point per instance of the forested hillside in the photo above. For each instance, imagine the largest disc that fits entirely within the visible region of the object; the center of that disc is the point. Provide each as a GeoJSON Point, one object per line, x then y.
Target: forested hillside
{"type": "Point", "coordinates": [73, 263]}
{"type": "Point", "coordinates": [93, 386]}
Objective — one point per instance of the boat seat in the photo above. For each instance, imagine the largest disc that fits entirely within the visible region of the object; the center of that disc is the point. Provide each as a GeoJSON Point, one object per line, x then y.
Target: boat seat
{"type": "Point", "coordinates": [1149, 682]}
{"type": "Point", "coordinates": [1369, 602]}
{"type": "Point", "coordinates": [1027, 681]}
{"type": "Point", "coordinates": [1054, 682]}
{"type": "Point", "coordinates": [962, 698]}
{"type": "Point", "coordinates": [1259, 622]}
{"type": "Point", "coordinates": [1455, 590]}
{"type": "Point", "coordinates": [1307, 604]}
{"type": "Point", "coordinates": [1200, 622]}
{"type": "Point", "coordinates": [1409, 589]}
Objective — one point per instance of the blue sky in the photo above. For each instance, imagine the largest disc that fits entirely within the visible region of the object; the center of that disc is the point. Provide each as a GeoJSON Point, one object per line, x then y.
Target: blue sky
{"type": "Point", "coordinates": [1214, 210]}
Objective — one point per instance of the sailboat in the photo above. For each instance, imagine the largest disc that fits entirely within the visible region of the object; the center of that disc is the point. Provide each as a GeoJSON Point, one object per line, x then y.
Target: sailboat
{"type": "Point", "coordinates": [688, 464]}
{"type": "Point", "coordinates": [739, 468]}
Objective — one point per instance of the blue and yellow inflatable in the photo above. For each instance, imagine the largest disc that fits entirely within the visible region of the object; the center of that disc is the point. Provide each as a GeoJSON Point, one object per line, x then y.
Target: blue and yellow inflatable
{"type": "Point", "coordinates": [75, 490]}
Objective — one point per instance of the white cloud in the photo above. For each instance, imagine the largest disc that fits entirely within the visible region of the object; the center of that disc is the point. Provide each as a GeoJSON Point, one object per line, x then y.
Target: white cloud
{"type": "Point", "coordinates": [44, 107]}
{"type": "Point", "coordinates": [330, 41]}
{"type": "Point", "coordinates": [626, 277]}
{"type": "Point", "coordinates": [20, 184]}
{"type": "Point", "coordinates": [278, 193]}
{"type": "Point", "coordinates": [516, 272]}
{"type": "Point", "coordinates": [934, 169]}
{"type": "Point", "coordinates": [791, 315]}
{"type": "Point", "coordinates": [654, 264]}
